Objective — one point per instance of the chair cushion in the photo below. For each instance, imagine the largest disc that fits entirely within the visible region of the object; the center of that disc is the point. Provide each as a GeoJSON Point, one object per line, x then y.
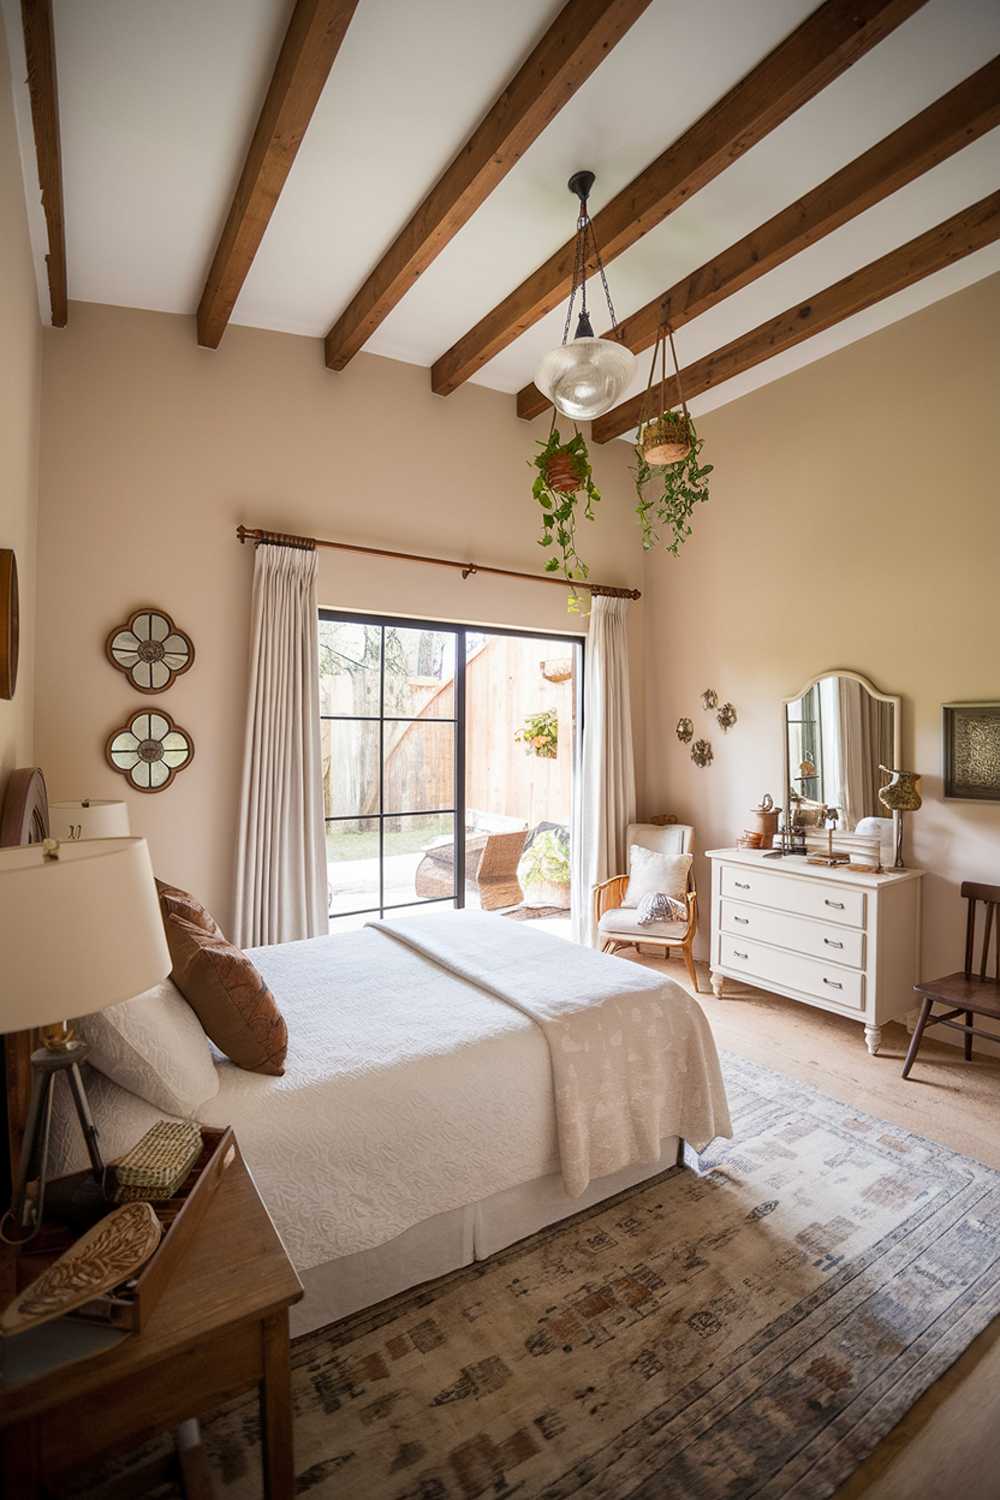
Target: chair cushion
{"type": "Point", "coordinates": [650, 872]}
{"type": "Point", "coordinates": [620, 921]}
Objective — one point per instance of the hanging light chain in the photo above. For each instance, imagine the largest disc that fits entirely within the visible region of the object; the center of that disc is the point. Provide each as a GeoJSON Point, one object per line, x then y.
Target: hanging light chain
{"type": "Point", "coordinates": [583, 224]}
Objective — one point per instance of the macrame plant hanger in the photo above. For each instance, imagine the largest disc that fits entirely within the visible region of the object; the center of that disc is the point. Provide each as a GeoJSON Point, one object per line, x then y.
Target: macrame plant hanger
{"type": "Point", "coordinates": [664, 436]}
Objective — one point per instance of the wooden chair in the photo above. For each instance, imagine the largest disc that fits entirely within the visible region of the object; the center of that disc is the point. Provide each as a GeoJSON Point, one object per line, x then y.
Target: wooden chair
{"type": "Point", "coordinates": [616, 925]}
{"type": "Point", "coordinates": [968, 993]}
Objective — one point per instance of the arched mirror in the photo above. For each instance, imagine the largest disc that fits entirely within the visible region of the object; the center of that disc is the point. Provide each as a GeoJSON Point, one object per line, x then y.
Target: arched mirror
{"type": "Point", "coordinates": [838, 730]}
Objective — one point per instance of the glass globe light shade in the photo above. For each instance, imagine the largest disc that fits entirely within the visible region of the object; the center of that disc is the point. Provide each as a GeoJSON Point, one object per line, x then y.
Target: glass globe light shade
{"type": "Point", "coordinates": [584, 378]}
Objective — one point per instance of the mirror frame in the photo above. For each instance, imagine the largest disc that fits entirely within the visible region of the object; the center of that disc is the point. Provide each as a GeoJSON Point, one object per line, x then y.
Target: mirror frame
{"type": "Point", "coordinates": [866, 682]}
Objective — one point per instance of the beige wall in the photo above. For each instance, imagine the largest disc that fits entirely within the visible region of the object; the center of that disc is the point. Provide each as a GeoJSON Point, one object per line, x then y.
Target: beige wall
{"type": "Point", "coordinates": [854, 522]}
{"type": "Point", "coordinates": [20, 393]}
{"type": "Point", "coordinates": [155, 449]}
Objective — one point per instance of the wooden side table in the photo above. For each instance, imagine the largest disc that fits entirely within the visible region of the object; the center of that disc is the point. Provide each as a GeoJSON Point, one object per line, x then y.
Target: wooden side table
{"type": "Point", "coordinates": [221, 1327]}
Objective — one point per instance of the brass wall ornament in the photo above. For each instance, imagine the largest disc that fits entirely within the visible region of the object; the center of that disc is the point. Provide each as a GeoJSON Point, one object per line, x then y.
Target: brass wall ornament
{"type": "Point", "coordinates": [709, 699]}
{"type": "Point", "coordinates": [685, 731]}
{"type": "Point", "coordinates": [702, 753]}
{"type": "Point", "coordinates": [150, 650]}
{"type": "Point", "coordinates": [726, 717]}
{"type": "Point", "coordinates": [149, 750]}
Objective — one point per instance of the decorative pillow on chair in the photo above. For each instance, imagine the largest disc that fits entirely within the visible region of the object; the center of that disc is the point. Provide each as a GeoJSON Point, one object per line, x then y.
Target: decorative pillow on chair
{"type": "Point", "coordinates": [652, 873]}
{"type": "Point", "coordinates": [656, 907]}
{"type": "Point", "coordinates": [154, 1047]}
{"type": "Point", "coordinates": [229, 997]}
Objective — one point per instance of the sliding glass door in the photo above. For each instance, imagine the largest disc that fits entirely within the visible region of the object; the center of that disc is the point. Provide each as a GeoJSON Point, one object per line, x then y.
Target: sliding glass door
{"type": "Point", "coordinates": [448, 757]}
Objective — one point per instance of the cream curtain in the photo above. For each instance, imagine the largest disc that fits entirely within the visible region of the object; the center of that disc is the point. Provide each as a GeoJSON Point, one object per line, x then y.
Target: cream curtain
{"type": "Point", "coordinates": [605, 801]}
{"type": "Point", "coordinates": [281, 859]}
{"type": "Point", "coordinates": [865, 741]}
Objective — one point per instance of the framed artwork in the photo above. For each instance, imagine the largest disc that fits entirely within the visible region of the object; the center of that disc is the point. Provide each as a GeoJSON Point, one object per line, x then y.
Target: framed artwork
{"type": "Point", "coordinates": [972, 751]}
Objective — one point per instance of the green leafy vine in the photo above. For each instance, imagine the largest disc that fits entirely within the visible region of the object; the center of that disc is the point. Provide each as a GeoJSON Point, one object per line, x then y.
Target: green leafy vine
{"type": "Point", "coordinates": [561, 509]}
{"type": "Point", "coordinates": [684, 487]}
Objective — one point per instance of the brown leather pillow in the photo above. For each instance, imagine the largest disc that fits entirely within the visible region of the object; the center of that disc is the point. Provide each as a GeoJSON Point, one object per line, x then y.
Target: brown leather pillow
{"type": "Point", "coordinates": [177, 903]}
{"type": "Point", "coordinates": [229, 997]}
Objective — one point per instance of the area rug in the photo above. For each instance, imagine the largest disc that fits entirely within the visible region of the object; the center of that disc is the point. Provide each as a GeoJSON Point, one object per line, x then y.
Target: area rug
{"type": "Point", "coordinates": [534, 913]}
{"type": "Point", "coordinates": [751, 1327]}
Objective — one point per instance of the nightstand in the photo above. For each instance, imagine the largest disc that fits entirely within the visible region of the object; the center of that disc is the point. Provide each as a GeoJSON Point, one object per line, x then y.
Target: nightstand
{"type": "Point", "coordinates": [220, 1327]}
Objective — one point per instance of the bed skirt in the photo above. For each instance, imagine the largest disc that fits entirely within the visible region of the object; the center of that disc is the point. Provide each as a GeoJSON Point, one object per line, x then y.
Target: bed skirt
{"type": "Point", "coordinates": [454, 1239]}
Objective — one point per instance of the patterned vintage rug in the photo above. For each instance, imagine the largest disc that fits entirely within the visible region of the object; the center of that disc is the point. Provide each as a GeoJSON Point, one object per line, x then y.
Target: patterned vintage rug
{"type": "Point", "coordinates": [752, 1329]}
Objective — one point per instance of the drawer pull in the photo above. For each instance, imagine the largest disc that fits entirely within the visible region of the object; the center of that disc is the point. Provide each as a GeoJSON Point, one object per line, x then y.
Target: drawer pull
{"type": "Point", "coordinates": [745, 920]}
{"type": "Point", "coordinates": [834, 984]}
{"type": "Point", "coordinates": [837, 905]}
{"type": "Point", "coordinates": [737, 954]}
{"type": "Point", "coordinates": [832, 943]}
{"type": "Point", "coordinates": [742, 885]}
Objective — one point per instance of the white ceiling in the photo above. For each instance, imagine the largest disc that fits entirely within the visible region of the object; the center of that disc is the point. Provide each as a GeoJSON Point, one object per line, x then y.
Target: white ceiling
{"type": "Point", "coordinates": [158, 100]}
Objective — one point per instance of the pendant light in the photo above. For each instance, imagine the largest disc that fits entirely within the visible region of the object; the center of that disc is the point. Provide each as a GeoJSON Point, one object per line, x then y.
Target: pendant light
{"type": "Point", "coordinates": [585, 376]}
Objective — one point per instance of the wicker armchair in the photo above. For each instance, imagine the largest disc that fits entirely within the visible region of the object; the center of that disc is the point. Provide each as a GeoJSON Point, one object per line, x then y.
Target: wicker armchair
{"type": "Point", "coordinates": [616, 925]}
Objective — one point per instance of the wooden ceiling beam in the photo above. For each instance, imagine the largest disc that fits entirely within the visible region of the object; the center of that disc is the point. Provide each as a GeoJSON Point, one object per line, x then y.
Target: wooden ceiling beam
{"type": "Point", "coordinates": [959, 117]}
{"type": "Point", "coordinates": [818, 51]}
{"type": "Point", "coordinates": [312, 41]}
{"type": "Point", "coordinates": [575, 44]}
{"type": "Point", "coordinates": [40, 52]}
{"type": "Point", "coordinates": [957, 237]}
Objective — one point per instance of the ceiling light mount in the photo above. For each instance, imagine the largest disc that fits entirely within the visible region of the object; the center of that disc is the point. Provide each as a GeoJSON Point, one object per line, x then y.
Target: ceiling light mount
{"type": "Point", "coordinates": [585, 376]}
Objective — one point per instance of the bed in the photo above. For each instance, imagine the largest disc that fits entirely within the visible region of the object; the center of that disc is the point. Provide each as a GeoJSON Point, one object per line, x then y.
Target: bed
{"type": "Point", "coordinates": [435, 1105]}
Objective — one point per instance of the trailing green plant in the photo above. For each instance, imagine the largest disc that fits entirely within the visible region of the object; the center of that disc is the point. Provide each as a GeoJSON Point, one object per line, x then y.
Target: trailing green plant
{"type": "Point", "coordinates": [683, 487]}
{"type": "Point", "coordinates": [559, 465]}
{"type": "Point", "coordinates": [540, 734]}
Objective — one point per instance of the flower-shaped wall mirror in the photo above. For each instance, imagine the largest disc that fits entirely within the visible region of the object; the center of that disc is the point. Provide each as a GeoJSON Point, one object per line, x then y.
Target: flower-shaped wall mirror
{"type": "Point", "coordinates": [149, 750]}
{"type": "Point", "coordinates": [150, 650]}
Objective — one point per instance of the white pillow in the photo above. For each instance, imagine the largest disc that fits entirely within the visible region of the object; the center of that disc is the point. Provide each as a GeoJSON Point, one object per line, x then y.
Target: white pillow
{"type": "Point", "coordinates": [154, 1047]}
{"type": "Point", "coordinates": [651, 872]}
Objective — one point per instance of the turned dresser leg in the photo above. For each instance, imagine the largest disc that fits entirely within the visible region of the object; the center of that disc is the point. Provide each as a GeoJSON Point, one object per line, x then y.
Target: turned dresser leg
{"type": "Point", "coordinates": [873, 1039]}
{"type": "Point", "coordinates": [717, 982]}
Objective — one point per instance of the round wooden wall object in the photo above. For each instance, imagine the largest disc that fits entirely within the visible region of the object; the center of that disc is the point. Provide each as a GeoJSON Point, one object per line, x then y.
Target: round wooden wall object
{"type": "Point", "coordinates": [9, 623]}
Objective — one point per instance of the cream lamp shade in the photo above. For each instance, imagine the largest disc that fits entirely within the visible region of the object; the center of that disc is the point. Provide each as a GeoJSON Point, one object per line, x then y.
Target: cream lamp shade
{"type": "Point", "coordinates": [78, 931]}
{"type": "Point", "coordinates": [91, 818]}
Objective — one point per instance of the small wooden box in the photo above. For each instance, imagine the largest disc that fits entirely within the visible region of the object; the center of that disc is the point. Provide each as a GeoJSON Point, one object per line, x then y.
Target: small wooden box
{"type": "Point", "coordinates": [180, 1216]}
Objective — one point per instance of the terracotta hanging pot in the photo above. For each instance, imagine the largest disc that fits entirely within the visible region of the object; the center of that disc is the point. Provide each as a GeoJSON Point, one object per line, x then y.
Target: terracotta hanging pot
{"type": "Point", "coordinates": [667, 438]}
{"type": "Point", "coordinates": [561, 473]}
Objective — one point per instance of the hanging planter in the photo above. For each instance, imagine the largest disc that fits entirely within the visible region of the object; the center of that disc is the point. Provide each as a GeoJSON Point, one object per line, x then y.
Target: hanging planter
{"type": "Point", "coordinates": [564, 488]}
{"type": "Point", "coordinates": [667, 458]}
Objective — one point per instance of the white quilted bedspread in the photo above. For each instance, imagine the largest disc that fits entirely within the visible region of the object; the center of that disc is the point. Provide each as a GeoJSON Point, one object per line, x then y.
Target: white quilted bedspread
{"type": "Point", "coordinates": [407, 1091]}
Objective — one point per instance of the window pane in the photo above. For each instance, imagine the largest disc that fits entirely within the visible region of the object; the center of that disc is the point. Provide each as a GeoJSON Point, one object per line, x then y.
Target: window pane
{"type": "Point", "coordinates": [352, 864]}
{"type": "Point", "coordinates": [350, 767]}
{"type": "Point", "coordinates": [419, 673]}
{"type": "Point", "coordinates": [349, 667]}
{"type": "Point", "coordinates": [354, 923]}
{"type": "Point", "coordinates": [419, 859]}
{"type": "Point", "coordinates": [422, 909]}
{"type": "Point", "coordinates": [419, 771]}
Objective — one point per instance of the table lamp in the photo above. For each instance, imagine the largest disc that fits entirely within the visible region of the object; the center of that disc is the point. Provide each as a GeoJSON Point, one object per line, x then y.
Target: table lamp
{"type": "Point", "coordinates": [90, 818]}
{"type": "Point", "coordinates": [80, 929]}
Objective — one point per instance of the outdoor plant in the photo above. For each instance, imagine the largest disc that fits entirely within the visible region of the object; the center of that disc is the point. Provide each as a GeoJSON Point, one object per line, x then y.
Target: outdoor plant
{"type": "Point", "coordinates": [546, 861]}
{"type": "Point", "coordinates": [540, 734]}
{"type": "Point", "coordinates": [564, 488]}
{"type": "Point", "coordinates": [678, 488]}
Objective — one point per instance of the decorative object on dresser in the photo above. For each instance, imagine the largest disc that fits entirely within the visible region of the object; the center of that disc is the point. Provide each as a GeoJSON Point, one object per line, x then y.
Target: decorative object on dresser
{"type": "Point", "coordinates": [844, 943]}
{"type": "Point", "coordinates": [91, 818]}
{"type": "Point", "coordinates": [901, 795]}
{"type": "Point", "coordinates": [825, 854]}
{"type": "Point", "coordinates": [966, 993]}
{"type": "Point", "coordinates": [219, 1328]}
{"type": "Point", "coordinates": [80, 929]}
{"type": "Point", "coordinates": [150, 650]}
{"type": "Point", "coordinates": [616, 914]}
{"type": "Point", "coordinates": [972, 751]}
{"type": "Point", "coordinates": [837, 731]}
{"type": "Point", "coordinates": [764, 824]}
{"type": "Point", "coordinates": [149, 750]}
{"type": "Point", "coordinates": [10, 629]}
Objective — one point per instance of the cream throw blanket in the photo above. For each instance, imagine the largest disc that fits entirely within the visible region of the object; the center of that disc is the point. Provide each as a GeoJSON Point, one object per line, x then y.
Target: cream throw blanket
{"type": "Point", "coordinates": [633, 1057]}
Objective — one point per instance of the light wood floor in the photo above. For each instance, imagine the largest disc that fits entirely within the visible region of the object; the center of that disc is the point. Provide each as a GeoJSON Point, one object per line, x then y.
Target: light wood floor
{"type": "Point", "coordinates": [948, 1445]}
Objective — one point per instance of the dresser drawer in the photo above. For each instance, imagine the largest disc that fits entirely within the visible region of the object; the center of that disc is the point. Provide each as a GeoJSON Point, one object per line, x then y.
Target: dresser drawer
{"type": "Point", "coordinates": [841, 945]}
{"type": "Point", "coordinates": [803, 897]}
{"type": "Point", "coordinates": [844, 987]}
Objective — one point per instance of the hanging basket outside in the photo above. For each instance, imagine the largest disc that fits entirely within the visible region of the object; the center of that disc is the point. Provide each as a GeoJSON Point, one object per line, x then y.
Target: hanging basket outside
{"type": "Point", "coordinates": [561, 472]}
{"type": "Point", "coordinates": [667, 438]}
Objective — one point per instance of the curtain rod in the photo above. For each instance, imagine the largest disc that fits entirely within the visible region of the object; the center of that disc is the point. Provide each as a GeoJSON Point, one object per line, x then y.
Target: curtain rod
{"type": "Point", "coordinates": [309, 543]}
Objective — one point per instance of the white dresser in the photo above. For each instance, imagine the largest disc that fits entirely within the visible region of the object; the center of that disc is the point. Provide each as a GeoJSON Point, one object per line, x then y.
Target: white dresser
{"type": "Point", "coordinates": [846, 943]}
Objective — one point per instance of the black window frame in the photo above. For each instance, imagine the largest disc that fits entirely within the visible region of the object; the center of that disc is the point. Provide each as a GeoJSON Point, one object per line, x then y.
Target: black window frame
{"type": "Point", "coordinates": [457, 811]}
